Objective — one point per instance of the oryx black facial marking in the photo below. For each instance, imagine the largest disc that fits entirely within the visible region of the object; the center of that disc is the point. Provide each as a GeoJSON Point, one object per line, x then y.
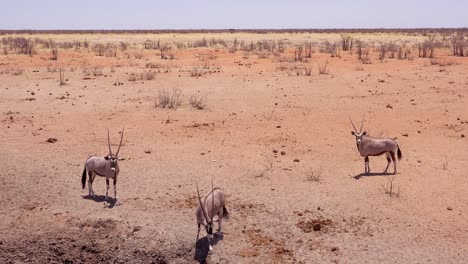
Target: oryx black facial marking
{"type": "Point", "coordinates": [369, 146]}
{"type": "Point", "coordinates": [107, 166]}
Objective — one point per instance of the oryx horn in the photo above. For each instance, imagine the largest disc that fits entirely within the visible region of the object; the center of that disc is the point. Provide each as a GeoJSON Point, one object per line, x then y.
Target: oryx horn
{"type": "Point", "coordinates": [201, 204]}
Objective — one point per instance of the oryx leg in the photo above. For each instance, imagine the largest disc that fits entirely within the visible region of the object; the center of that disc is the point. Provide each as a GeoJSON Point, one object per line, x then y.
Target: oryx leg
{"type": "Point", "coordinates": [366, 164]}
{"type": "Point", "coordinates": [392, 154]}
{"type": "Point", "coordinates": [107, 188]}
{"type": "Point", "coordinates": [91, 176]}
{"type": "Point", "coordinates": [209, 243]}
{"type": "Point", "coordinates": [389, 161]}
{"type": "Point", "coordinates": [115, 189]}
{"type": "Point", "coordinates": [198, 233]}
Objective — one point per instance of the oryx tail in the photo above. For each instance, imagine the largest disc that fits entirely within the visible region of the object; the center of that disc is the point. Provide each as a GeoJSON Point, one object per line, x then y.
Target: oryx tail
{"type": "Point", "coordinates": [225, 213]}
{"type": "Point", "coordinates": [83, 178]}
{"type": "Point", "coordinates": [399, 154]}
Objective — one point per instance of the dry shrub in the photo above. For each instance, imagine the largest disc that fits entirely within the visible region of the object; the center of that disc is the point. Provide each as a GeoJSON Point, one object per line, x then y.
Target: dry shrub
{"type": "Point", "coordinates": [97, 70]}
{"type": "Point", "coordinates": [441, 62]}
{"type": "Point", "coordinates": [391, 188]}
{"type": "Point", "coordinates": [308, 69]}
{"type": "Point", "coordinates": [196, 71]}
{"type": "Point", "coordinates": [198, 102]}
{"type": "Point", "coordinates": [169, 99]}
{"type": "Point", "coordinates": [314, 175]}
{"type": "Point", "coordinates": [458, 45]}
{"type": "Point", "coordinates": [54, 52]}
{"type": "Point", "coordinates": [323, 68]}
{"type": "Point", "coordinates": [62, 80]}
{"type": "Point", "coordinates": [426, 49]}
{"type": "Point", "coordinates": [382, 51]}
{"type": "Point", "coordinates": [346, 42]}
{"type": "Point", "coordinates": [17, 71]}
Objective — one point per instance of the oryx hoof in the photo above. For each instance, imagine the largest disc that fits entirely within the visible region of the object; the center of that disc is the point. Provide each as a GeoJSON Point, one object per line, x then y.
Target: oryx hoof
{"type": "Point", "coordinates": [210, 249]}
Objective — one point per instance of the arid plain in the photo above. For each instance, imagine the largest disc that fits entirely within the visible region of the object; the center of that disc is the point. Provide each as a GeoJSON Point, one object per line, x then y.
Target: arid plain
{"type": "Point", "coordinates": [265, 116]}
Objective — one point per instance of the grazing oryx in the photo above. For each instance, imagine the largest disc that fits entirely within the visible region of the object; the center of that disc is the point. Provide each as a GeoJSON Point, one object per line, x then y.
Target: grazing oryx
{"type": "Point", "coordinates": [107, 166]}
{"type": "Point", "coordinates": [212, 204]}
{"type": "Point", "coordinates": [369, 146]}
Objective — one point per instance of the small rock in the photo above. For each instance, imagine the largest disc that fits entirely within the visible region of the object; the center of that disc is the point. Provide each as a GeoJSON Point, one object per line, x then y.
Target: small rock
{"type": "Point", "coordinates": [389, 106]}
{"type": "Point", "coordinates": [462, 135]}
{"type": "Point", "coordinates": [296, 160]}
{"type": "Point", "coordinates": [51, 140]}
{"type": "Point", "coordinates": [333, 249]}
{"type": "Point", "coordinates": [275, 151]}
{"type": "Point", "coordinates": [148, 151]}
{"type": "Point", "coordinates": [405, 134]}
{"type": "Point", "coordinates": [203, 153]}
{"type": "Point", "coordinates": [283, 152]}
{"type": "Point", "coordinates": [278, 126]}
{"type": "Point", "coordinates": [449, 208]}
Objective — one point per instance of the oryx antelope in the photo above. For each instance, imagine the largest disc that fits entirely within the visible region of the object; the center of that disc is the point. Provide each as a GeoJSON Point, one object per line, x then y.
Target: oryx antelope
{"type": "Point", "coordinates": [107, 166]}
{"type": "Point", "coordinates": [369, 146]}
{"type": "Point", "coordinates": [211, 205]}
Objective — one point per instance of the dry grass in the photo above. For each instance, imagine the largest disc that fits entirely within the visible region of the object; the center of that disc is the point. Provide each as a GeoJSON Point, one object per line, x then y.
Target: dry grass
{"type": "Point", "coordinates": [171, 99]}
{"type": "Point", "coordinates": [198, 102]}
{"type": "Point", "coordinates": [391, 188]}
{"type": "Point", "coordinates": [314, 175]}
{"type": "Point", "coordinates": [323, 68]}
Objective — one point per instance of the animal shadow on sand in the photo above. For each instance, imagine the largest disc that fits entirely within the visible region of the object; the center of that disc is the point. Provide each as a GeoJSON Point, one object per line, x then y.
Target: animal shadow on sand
{"type": "Point", "coordinates": [100, 199]}
{"type": "Point", "coordinates": [371, 174]}
{"type": "Point", "coordinates": [202, 247]}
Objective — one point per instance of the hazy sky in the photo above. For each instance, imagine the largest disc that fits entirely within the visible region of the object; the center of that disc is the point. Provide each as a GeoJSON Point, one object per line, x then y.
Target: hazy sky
{"type": "Point", "coordinates": [184, 14]}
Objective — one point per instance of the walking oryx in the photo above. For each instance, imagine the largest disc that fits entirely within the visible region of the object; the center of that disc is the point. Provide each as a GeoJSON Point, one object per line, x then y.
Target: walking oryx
{"type": "Point", "coordinates": [212, 204]}
{"type": "Point", "coordinates": [369, 146]}
{"type": "Point", "coordinates": [107, 166]}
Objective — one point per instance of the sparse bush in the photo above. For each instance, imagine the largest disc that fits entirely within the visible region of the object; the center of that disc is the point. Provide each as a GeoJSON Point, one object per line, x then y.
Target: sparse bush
{"type": "Point", "coordinates": [382, 51]}
{"type": "Point", "coordinates": [426, 49]}
{"type": "Point", "coordinates": [308, 50]}
{"type": "Point", "coordinates": [197, 102]}
{"type": "Point", "coordinates": [148, 75]}
{"type": "Point", "coordinates": [323, 68]}
{"type": "Point", "coordinates": [314, 175]}
{"type": "Point", "coordinates": [196, 71]}
{"type": "Point", "coordinates": [298, 56]}
{"type": "Point", "coordinates": [62, 80]}
{"type": "Point", "coordinates": [458, 45]}
{"type": "Point", "coordinates": [17, 71]}
{"type": "Point", "coordinates": [54, 52]}
{"type": "Point", "coordinates": [169, 99]}
{"type": "Point", "coordinates": [97, 70]}
{"type": "Point", "coordinates": [391, 188]}
{"type": "Point", "coordinates": [346, 42]}
{"type": "Point", "coordinates": [51, 68]}
{"type": "Point", "coordinates": [308, 69]}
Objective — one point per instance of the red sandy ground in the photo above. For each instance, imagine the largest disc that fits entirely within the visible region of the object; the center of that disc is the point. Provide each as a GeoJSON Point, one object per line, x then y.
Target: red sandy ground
{"type": "Point", "coordinates": [252, 109]}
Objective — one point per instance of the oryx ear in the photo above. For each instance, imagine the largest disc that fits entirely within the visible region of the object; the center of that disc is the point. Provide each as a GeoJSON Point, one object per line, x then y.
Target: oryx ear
{"type": "Point", "coordinates": [352, 133]}
{"type": "Point", "coordinates": [106, 157]}
{"type": "Point", "coordinates": [364, 133]}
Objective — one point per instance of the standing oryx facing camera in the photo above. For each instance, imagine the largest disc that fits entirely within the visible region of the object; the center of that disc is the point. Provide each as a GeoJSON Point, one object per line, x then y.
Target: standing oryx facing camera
{"type": "Point", "coordinates": [369, 146]}
{"type": "Point", "coordinates": [211, 205]}
{"type": "Point", "coordinates": [107, 166]}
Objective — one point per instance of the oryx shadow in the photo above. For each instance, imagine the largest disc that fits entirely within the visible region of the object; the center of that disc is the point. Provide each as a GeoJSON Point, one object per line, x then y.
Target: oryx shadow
{"type": "Point", "coordinates": [101, 198]}
{"type": "Point", "coordinates": [202, 247]}
{"type": "Point", "coordinates": [372, 174]}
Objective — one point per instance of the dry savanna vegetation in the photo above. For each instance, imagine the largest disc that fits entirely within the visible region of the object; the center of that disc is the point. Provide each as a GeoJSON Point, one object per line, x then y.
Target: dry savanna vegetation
{"type": "Point", "coordinates": [265, 114]}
